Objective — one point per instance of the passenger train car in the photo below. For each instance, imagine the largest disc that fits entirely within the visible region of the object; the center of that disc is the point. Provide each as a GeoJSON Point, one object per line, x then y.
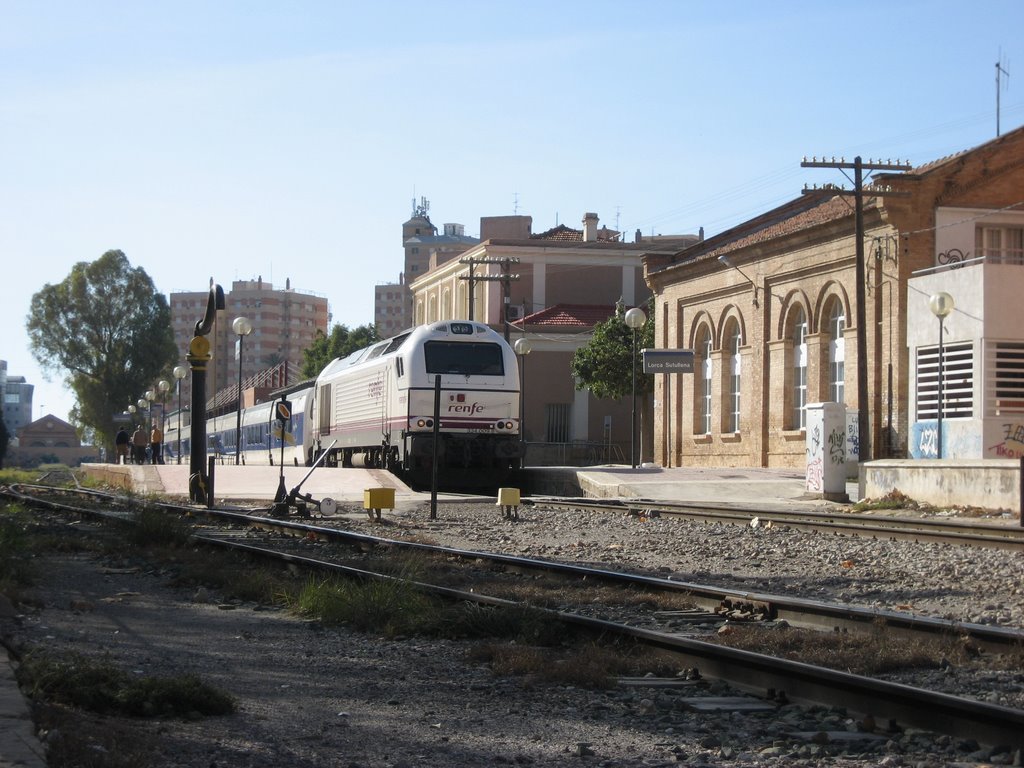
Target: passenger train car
{"type": "Point", "coordinates": [261, 436]}
{"type": "Point", "coordinates": [375, 408]}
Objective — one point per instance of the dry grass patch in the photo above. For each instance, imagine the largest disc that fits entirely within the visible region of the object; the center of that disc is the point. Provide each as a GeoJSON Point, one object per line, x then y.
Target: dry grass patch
{"type": "Point", "coordinates": [591, 664]}
{"type": "Point", "coordinates": [876, 652]}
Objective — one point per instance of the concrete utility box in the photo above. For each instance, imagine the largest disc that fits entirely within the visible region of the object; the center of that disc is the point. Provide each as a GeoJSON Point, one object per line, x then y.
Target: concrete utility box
{"type": "Point", "coordinates": [826, 451]}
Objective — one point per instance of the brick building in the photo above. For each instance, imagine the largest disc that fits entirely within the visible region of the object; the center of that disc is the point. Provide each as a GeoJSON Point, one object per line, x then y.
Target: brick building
{"type": "Point", "coordinates": [47, 439]}
{"type": "Point", "coordinates": [769, 309]}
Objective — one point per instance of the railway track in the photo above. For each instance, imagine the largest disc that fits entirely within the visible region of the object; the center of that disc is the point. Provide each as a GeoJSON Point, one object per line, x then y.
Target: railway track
{"type": "Point", "coordinates": [930, 530]}
{"type": "Point", "coordinates": [721, 603]}
{"type": "Point", "coordinates": [771, 678]}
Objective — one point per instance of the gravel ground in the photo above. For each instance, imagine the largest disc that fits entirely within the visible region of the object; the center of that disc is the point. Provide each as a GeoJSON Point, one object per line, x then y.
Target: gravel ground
{"type": "Point", "coordinates": [984, 586]}
{"type": "Point", "coordinates": [310, 696]}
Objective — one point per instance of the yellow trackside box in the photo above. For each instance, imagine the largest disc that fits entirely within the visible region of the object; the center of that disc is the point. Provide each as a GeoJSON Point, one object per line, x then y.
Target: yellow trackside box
{"type": "Point", "coordinates": [508, 497]}
{"type": "Point", "coordinates": [379, 498]}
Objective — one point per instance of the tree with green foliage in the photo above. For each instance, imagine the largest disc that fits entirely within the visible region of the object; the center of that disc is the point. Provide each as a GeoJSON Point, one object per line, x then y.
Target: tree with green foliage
{"type": "Point", "coordinates": [603, 365]}
{"type": "Point", "coordinates": [107, 329]}
{"type": "Point", "coordinates": [341, 343]}
{"type": "Point", "coordinates": [5, 438]}
{"type": "Point", "coordinates": [606, 366]}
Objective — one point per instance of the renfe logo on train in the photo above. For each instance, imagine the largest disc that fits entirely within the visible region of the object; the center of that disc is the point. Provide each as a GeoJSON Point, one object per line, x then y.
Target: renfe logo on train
{"type": "Point", "coordinates": [457, 404]}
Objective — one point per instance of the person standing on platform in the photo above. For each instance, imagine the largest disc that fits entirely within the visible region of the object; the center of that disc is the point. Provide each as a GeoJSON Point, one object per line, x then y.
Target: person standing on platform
{"type": "Point", "coordinates": [121, 442]}
{"type": "Point", "coordinates": [156, 439]}
{"type": "Point", "coordinates": [139, 443]}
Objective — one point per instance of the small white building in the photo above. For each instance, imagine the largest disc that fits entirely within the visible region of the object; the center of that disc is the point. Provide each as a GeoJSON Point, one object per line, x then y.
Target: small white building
{"type": "Point", "coordinates": [980, 265]}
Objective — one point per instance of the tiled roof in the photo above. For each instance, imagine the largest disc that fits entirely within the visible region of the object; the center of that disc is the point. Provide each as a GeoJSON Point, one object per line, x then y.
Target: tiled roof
{"type": "Point", "coordinates": [803, 213]}
{"type": "Point", "coordinates": [561, 232]}
{"type": "Point", "coordinates": [569, 316]}
{"type": "Point", "coordinates": [566, 234]}
{"type": "Point", "coordinates": [948, 159]}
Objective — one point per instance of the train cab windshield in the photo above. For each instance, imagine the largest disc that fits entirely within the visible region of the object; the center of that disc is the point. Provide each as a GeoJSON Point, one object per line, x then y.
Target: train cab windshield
{"type": "Point", "coordinates": [481, 359]}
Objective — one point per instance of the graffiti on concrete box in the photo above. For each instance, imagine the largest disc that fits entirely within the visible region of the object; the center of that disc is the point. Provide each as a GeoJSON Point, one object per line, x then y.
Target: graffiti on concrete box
{"type": "Point", "coordinates": [815, 475]}
{"type": "Point", "coordinates": [1012, 444]}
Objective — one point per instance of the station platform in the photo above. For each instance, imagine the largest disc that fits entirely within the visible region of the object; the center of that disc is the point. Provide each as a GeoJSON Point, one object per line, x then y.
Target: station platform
{"type": "Point", "coordinates": [233, 483]}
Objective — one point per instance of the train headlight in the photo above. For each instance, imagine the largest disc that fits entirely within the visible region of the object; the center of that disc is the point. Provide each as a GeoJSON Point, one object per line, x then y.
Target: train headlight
{"type": "Point", "coordinates": [422, 423]}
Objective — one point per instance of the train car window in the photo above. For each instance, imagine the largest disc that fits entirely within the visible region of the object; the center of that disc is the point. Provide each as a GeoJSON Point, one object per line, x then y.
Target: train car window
{"type": "Point", "coordinates": [399, 367]}
{"type": "Point", "coordinates": [376, 351]}
{"type": "Point", "coordinates": [480, 359]}
{"type": "Point", "coordinates": [396, 342]}
{"type": "Point", "coordinates": [325, 409]}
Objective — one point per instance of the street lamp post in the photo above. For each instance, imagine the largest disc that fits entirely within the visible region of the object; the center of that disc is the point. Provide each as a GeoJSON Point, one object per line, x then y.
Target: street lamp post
{"type": "Point", "coordinates": [162, 386]}
{"type": "Point", "coordinates": [131, 438]}
{"type": "Point", "coordinates": [941, 304]}
{"type": "Point", "coordinates": [243, 328]}
{"type": "Point", "coordinates": [522, 347]}
{"type": "Point", "coordinates": [143, 403]}
{"type": "Point", "coordinates": [180, 372]}
{"type": "Point", "coordinates": [635, 319]}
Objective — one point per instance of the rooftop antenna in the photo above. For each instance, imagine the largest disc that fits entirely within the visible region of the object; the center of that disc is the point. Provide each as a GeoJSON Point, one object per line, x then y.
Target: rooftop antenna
{"type": "Point", "coordinates": [618, 211]}
{"type": "Point", "coordinates": [515, 203]}
{"type": "Point", "coordinates": [1000, 71]}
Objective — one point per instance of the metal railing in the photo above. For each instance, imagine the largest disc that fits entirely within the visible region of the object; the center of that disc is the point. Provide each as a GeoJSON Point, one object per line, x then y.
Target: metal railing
{"type": "Point", "coordinates": [573, 453]}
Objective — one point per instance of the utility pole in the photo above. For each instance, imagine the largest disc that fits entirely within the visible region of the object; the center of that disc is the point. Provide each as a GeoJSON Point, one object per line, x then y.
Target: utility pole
{"type": "Point", "coordinates": [1000, 70]}
{"type": "Point", "coordinates": [505, 278]}
{"type": "Point", "coordinates": [859, 166]}
{"type": "Point", "coordinates": [472, 283]}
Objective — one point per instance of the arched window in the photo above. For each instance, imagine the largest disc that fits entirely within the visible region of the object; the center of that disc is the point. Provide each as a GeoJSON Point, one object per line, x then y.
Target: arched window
{"type": "Point", "coordinates": [799, 415]}
{"type": "Point", "coordinates": [836, 353]}
{"type": "Point", "coordinates": [703, 394]}
{"type": "Point", "coordinates": [732, 349]}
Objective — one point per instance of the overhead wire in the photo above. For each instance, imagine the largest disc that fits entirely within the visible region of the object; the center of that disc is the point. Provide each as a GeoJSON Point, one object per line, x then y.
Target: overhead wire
{"type": "Point", "coordinates": [775, 177]}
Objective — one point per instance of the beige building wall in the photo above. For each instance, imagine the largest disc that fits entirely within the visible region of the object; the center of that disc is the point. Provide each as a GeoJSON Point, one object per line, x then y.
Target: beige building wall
{"type": "Point", "coordinates": [760, 296]}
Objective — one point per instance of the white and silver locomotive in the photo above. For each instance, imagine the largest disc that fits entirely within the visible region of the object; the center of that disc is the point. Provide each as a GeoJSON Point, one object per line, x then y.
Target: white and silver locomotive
{"type": "Point", "coordinates": [381, 406]}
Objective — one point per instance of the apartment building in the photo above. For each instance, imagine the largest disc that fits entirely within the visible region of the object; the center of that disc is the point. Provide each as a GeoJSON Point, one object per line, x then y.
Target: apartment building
{"type": "Point", "coordinates": [17, 395]}
{"type": "Point", "coordinates": [284, 322]}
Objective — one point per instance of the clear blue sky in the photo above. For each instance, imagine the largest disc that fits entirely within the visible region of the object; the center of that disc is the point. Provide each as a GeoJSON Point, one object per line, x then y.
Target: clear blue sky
{"type": "Point", "coordinates": [287, 140]}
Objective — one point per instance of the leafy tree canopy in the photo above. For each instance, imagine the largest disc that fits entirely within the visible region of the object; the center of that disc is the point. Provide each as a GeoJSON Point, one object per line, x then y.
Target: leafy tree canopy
{"type": "Point", "coordinates": [604, 365]}
{"type": "Point", "coordinates": [107, 329]}
{"type": "Point", "coordinates": [341, 343]}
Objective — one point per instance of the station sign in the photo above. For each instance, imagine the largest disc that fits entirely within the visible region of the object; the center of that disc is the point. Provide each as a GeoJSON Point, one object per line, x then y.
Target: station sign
{"type": "Point", "coordinates": [668, 360]}
{"type": "Point", "coordinates": [283, 410]}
